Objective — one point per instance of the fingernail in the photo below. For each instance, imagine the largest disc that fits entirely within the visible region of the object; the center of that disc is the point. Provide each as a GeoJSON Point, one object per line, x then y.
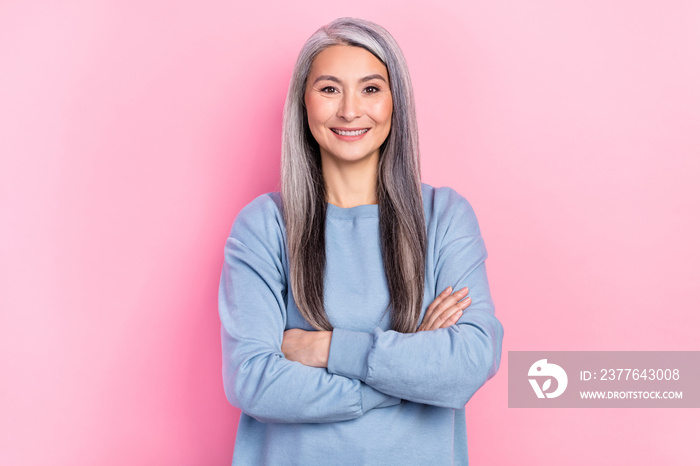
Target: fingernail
{"type": "Point", "coordinates": [446, 290]}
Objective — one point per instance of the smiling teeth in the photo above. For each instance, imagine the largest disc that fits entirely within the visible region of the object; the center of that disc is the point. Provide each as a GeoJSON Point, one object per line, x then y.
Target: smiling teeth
{"type": "Point", "coordinates": [350, 133]}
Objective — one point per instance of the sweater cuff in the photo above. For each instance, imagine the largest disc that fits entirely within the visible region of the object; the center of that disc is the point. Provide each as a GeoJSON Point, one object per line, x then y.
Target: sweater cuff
{"type": "Point", "coordinates": [372, 398]}
{"type": "Point", "coordinates": [348, 353]}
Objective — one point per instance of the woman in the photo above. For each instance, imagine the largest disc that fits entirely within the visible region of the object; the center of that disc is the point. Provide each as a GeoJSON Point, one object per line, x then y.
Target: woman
{"type": "Point", "coordinates": [343, 301]}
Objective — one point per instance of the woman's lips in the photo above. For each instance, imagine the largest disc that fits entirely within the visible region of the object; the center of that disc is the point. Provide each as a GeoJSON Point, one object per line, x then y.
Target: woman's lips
{"type": "Point", "coordinates": [349, 134]}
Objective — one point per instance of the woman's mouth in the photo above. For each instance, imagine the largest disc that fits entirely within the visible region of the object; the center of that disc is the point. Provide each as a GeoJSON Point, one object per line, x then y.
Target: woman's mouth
{"type": "Point", "coordinates": [354, 132]}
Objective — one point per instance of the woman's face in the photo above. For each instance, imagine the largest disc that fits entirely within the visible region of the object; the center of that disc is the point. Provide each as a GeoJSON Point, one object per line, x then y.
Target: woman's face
{"type": "Point", "coordinates": [348, 103]}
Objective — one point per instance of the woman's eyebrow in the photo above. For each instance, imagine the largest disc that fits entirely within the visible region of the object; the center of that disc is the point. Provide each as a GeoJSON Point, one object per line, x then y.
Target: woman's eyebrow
{"type": "Point", "coordinates": [326, 77]}
{"type": "Point", "coordinates": [371, 77]}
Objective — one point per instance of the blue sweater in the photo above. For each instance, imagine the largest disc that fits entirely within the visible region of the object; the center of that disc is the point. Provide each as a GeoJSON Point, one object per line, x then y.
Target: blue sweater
{"type": "Point", "coordinates": [386, 397]}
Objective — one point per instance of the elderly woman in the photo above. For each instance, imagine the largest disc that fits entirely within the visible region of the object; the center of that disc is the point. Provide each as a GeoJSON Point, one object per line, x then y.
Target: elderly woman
{"type": "Point", "coordinates": [349, 334]}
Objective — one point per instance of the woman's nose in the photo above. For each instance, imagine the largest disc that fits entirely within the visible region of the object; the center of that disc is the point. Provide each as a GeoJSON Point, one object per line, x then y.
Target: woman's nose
{"type": "Point", "coordinates": [349, 107]}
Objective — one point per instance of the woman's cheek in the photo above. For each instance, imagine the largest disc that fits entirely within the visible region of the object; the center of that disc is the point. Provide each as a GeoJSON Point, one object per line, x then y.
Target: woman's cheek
{"type": "Point", "coordinates": [381, 111]}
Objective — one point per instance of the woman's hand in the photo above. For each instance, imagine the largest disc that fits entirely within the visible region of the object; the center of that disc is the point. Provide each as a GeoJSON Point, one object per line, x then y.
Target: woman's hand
{"type": "Point", "coordinates": [307, 347]}
{"type": "Point", "coordinates": [311, 348]}
{"type": "Point", "coordinates": [445, 310]}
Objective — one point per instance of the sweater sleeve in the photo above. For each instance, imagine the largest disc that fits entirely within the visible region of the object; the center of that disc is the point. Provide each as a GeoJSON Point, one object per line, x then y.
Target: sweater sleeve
{"type": "Point", "coordinates": [252, 307]}
{"type": "Point", "coordinates": [443, 367]}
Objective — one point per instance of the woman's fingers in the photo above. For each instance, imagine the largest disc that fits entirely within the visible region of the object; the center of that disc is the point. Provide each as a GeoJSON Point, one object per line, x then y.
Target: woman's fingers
{"type": "Point", "coordinates": [445, 309]}
{"type": "Point", "coordinates": [439, 304]}
{"type": "Point", "coordinates": [438, 299]}
{"type": "Point", "coordinates": [430, 315]}
{"type": "Point", "coordinates": [451, 315]}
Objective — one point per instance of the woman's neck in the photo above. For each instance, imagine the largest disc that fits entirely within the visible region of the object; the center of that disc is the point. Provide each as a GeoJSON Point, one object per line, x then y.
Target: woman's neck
{"type": "Point", "coordinates": [351, 184]}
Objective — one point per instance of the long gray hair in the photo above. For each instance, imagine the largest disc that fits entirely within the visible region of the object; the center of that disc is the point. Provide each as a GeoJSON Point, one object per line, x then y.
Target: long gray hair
{"type": "Point", "coordinates": [401, 218]}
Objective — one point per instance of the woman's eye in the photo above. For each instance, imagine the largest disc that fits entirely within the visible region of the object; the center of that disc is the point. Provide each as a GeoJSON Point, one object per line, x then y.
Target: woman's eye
{"type": "Point", "coordinates": [329, 90]}
{"type": "Point", "coordinates": [371, 89]}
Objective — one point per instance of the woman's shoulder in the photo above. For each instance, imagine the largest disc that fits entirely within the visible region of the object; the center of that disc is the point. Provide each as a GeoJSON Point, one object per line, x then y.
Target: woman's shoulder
{"type": "Point", "coordinates": [260, 217]}
{"type": "Point", "coordinates": [265, 204]}
{"type": "Point", "coordinates": [444, 206]}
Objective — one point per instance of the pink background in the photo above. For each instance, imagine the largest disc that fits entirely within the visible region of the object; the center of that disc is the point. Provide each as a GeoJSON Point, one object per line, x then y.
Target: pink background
{"type": "Point", "coordinates": [131, 133]}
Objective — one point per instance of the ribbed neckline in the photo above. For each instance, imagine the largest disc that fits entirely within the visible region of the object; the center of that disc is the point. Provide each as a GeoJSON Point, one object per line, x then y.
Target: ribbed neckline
{"type": "Point", "coordinates": [360, 211]}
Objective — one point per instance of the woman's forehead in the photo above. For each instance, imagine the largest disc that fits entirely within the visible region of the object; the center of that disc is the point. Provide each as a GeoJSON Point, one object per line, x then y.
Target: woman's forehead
{"type": "Point", "coordinates": [347, 62]}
